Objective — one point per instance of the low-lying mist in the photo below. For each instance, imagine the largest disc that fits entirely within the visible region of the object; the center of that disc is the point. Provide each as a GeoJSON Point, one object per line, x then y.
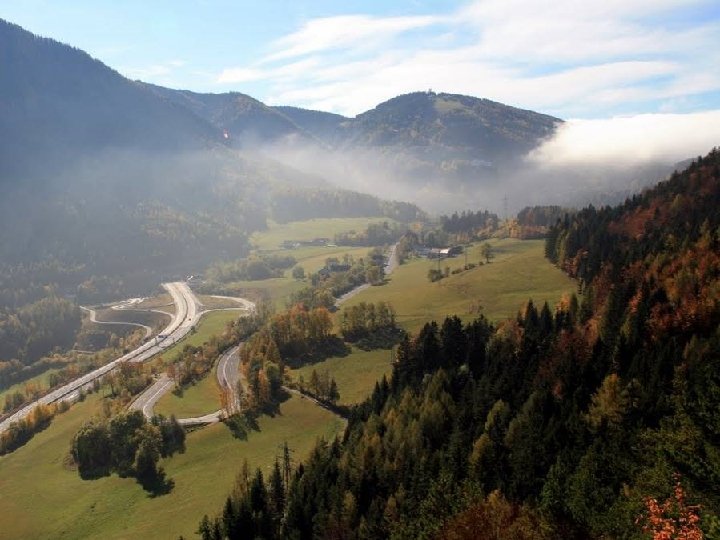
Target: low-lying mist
{"type": "Point", "coordinates": [585, 161]}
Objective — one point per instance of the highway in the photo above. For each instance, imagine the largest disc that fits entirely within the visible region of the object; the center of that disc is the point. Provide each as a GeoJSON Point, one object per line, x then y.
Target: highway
{"type": "Point", "coordinates": [227, 372]}
{"type": "Point", "coordinates": [185, 317]}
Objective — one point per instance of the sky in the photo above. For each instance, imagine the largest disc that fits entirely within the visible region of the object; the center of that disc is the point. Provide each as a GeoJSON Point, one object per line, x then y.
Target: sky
{"type": "Point", "coordinates": [591, 59]}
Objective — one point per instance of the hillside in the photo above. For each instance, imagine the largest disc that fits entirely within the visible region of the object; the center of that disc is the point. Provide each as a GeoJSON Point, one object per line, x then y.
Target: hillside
{"type": "Point", "coordinates": [61, 105]}
{"type": "Point", "coordinates": [106, 176]}
{"type": "Point", "coordinates": [244, 119]}
{"type": "Point", "coordinates": [323, 125]}
{"type": "Point", "coordinates": [596, 419]}
{"type": "Point", "coordinates": [426, 138]}
{"type": "Point", "coordinates": [450, 124]}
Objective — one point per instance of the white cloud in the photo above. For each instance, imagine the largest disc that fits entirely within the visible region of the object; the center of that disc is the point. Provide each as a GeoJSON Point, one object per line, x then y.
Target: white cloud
{"type": "Point", "coordinates": [641, 138]}
{"type": "Point", "coordinates": [566, 57]}
{"type": "Point", "coordinates": [339, 32]}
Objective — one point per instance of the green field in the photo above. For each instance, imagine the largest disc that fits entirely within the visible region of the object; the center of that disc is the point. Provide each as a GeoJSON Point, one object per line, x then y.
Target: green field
{"type": "Point", "coordinates": [276, 233]}
{"type": "Point", "coordinates": [41, 497]}
{"type": "Point", "coordinates": [354, 374]}
{"type": "Point", "coordinates": [210, 324]}
{"type": "Point", "coordinates": [279, 290]}
{"type": "Point", "coordinates": [311, 258]}
{"type": "Point", "coordinates": [197, 400]}
{"type": "Point", "coordinates": [518, 272]}
{"type": "Point", "coordinates": [276, 290]}
{"type": "Point", "coordinates": [313, 263]}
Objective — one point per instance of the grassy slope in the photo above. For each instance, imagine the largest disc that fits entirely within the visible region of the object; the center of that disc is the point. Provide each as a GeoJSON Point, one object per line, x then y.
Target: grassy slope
{"type": "Point", "coordinates": [203, 397]}
{"type": "Point", "coordinates": [518, 272]}
{"type": "Point", "coordinates": [41, 498]}
{"type": "Point", "coordinates": [311, 259]}
{"type": "Point", "coordinates": [308, 230]}
{"type": "Point", "coordinates": [210, 324]}
{"type": "Point", "coordinates": [354, 374]}
{"type": "Point", "coordinates": [40, 380]}
{"type": "Point", "coordinates": [197, 400]}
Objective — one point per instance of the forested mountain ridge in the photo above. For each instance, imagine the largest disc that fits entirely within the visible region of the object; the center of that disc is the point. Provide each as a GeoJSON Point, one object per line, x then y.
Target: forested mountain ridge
{"type": "Point", "coordinates": [596, 419]}
{"type": "Point", "coordinates": [244, 119]}
{"type": "Point", "coordinates": [59, 105]}
{"type": "Point", "coordinates": [323, 125]}
{"type": "Point", "coordinates": [470, 127]}
{"type": "Point", "coordinates": [421, 138]}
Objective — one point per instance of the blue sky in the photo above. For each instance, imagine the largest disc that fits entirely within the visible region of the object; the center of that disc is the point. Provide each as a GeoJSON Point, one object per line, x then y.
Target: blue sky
{"type": "Point", "coordinates": [589, 59]}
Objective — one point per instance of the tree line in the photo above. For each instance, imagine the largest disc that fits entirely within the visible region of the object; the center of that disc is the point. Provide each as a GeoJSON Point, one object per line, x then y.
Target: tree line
{"type": "Point", "coordinates": [128, 445]}
{"type": "Point", "coordinates": [370, 325]}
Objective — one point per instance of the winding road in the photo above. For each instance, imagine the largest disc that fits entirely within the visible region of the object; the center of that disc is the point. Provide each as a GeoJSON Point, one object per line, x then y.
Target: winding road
{"type": "Point", "coordinates": [390, 266]}
{"type": "Point", "coordinates": [93, 318]}
{"type": "Point", "coordinates": [180, 325]}
{"type": "Point", "coordinates": [227, 373]}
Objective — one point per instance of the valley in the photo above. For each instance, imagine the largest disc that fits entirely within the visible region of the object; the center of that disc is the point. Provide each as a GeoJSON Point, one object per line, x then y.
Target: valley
{"type": "Point", "coordinates": [359, 271]}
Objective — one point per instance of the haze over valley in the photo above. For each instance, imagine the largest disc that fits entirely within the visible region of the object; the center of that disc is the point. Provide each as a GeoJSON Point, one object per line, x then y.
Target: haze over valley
{"type": "Point", "coordinates": [444, 270]}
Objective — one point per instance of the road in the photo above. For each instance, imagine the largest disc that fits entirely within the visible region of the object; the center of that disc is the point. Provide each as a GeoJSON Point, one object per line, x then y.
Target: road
{"type": "Point", "coordinates": [227, 374]}
{"type": "Point", "coordinates": [392, 260]}
{"type": "Point", "coordinates": [181, 323]}
{"type": "Point", "coordinates": [93, 318]}
{"type": "Point", "coordinates": [146, 401]}
{"type": "Point", "coordinates": [390, 266]}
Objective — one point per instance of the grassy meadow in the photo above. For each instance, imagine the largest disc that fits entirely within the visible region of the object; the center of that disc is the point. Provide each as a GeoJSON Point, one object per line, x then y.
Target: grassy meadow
{"type": "Point", "coordinates": [354, 374]}
{"type": "Point", "coordinates": [311, 258]}
{"type": "Point", "coordinates": [276, 233]}
{"type": "Point", "coordinates": [210, 324]}
{"type": "Point", "coordinates": [201, 398]}
{"type": "Point", "coordinates": [41, 496]}
{"type": "Point", "coordinates": [518, 272]}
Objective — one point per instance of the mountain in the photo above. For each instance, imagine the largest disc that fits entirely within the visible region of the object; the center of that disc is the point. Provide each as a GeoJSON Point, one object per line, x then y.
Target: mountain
{"type": "Point", "coordinates": [59, 104]}
{"type": "Point", "coordinates": [439, 150]}
{"type": "Point", "coordinates": [103, 176]}
{"type": "Point", "coordinates": [246, 120]}
{"type": "Point", "coordinates": [324, 126]}
{"type": "Point", "coordinates": [450, 126]}
{"type": "Point", "coordinates": [409, 143]}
